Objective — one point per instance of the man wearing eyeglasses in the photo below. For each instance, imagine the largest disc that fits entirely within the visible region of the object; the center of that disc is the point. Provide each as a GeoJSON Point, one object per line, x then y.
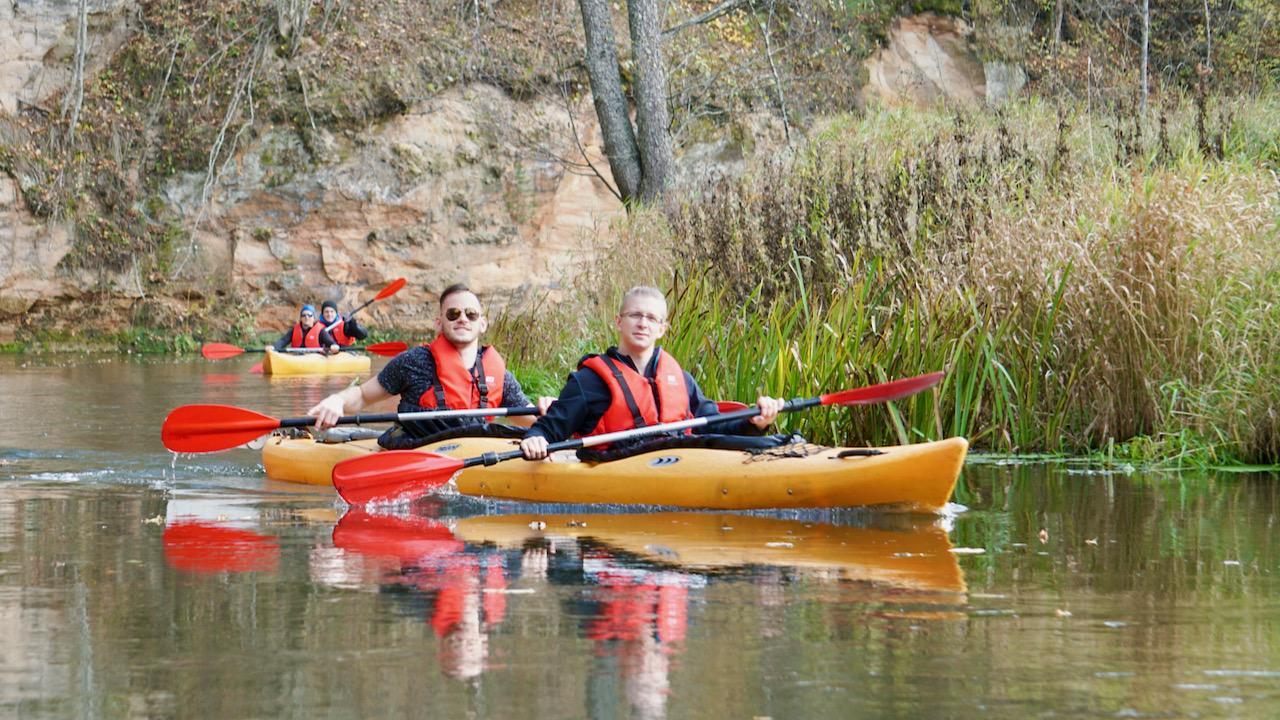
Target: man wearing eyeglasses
{"type": "Point", "coordinates": [631, 385]}
{"type": "Point", "coordinates": [307, 333]}
{"type": "Point", "coordinates": [454, 371]}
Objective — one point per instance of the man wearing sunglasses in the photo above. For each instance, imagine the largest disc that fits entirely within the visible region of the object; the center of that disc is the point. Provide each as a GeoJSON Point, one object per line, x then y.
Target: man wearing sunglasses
{"type": "Point", "coordinates": [454, 371]}
{"type": "Point", "coordinates": [307, 333]}
{"type": "Point", "coordinates": [633, 384]}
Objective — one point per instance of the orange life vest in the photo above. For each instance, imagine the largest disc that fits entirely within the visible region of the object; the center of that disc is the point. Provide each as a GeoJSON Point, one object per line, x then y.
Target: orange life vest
{"type": "Point", "coordinates": [339, 332]}
{"type": "Point", "coordinates": [308, 338]}
{"type": "Point", "coordinates": [458, 388]}
{"type": "Point", "coordinates": [638, 401]}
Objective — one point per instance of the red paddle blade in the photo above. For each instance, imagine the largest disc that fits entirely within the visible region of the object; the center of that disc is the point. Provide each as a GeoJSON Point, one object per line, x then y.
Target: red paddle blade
{"type": "Point", "coordinates": [392, 475]}
{"type": "Point", "coordinates": [725, 406]}
{"type": "Point", "coordinates": [387, 349]}
{"type": "Point", "coordinates": [257, 368]}
{"type": "Point", "coordinates": [220, 351]}
{"type": "Point", "coordinates": [884, 392]}
{"type": "Point", "coordinates": [209, 428]}
{"type": "Point", "coordinates": [390, 289]}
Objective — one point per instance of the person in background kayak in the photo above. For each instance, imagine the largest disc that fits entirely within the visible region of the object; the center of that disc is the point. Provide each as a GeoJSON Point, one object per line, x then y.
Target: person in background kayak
{"type": "Point", "coordinates": [633, 384]}
{"type": "Point", "coordinates": [307, 333]}
{"type": "Point", "coordinates": [345, 331]}
{"type": "Point", "coordinates": [454, 371]}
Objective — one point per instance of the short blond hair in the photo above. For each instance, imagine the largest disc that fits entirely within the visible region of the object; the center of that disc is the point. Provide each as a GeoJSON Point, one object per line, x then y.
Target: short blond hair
{"type": "Point", "coordinates": [642, 291]}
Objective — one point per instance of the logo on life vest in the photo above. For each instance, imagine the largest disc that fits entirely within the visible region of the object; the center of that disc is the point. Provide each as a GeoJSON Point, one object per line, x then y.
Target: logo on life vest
{"type": "Point", "coordinates": [488, 378]}
{"type": "Point", "coordinates": [671, 379]}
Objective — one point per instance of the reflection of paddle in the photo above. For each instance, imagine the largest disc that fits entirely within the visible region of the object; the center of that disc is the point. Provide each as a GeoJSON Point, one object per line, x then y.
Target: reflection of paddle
{"type": "Point", "coordinates": [209, 428]}
{"type": "Point", "coordinates": [406, 539]}
{"type": "Point", "coordinates": [222, 351]}
{"type": "Point", "coordinates": [203, 547]}
{"type": "Point", "coordinates": [396, 473]}
{"type": "Point", "coordinates": [391, 289]}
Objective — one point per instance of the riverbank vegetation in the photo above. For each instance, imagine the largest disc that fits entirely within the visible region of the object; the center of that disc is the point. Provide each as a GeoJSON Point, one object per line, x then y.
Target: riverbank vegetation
{"type": "Point", "coordinates": [1091, 283]}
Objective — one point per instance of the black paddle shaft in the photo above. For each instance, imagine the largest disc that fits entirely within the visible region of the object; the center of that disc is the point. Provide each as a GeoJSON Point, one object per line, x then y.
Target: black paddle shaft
{"type": "Point", "coordinates": [424, 415]}
{"type": "Point", "coordinates": [492, 458]}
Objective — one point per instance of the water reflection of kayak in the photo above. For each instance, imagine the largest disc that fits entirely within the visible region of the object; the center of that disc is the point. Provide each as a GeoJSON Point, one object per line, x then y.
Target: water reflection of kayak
{"type": "Point", "coordinates": [919, 477]}
{"type": "Point", "coordinates": [916, 558]}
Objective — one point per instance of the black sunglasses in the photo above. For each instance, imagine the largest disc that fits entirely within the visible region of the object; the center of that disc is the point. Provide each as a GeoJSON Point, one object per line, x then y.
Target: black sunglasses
{"type": "Point", "coordinates": [454, 313]}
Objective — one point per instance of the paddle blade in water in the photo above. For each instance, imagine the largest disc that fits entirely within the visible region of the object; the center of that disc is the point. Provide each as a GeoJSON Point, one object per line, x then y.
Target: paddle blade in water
{"type": "Point", "coordinates": [884, 392]}
{"type": "Point", "coordinates": [387, 349]}
{"type": "Point", "coordinates": [257, 368]}
{"type": "Point", "coordinates": [391, 289]}
{"type": "Point", "coordinates": [392, 475]}
{"type": "Point", "coordinates": [209, 428]}
{"type": "Point", "coordinates": [220, 351]}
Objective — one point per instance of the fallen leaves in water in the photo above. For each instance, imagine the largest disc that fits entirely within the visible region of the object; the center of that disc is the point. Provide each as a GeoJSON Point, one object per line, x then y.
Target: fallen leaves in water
{"type": "Point", "coordinates": [1062, 613]}
{"type": "Point", "coordinates": [157, 520]}
{"type": "Point", "coordinates": [1044, 536]}
{"type": "Point", "coordinates": [1091, 541]}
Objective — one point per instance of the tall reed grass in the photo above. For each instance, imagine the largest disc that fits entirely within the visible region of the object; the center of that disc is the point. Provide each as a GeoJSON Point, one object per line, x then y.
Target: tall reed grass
{"type": "Point", "coordinates": [1089, 281]}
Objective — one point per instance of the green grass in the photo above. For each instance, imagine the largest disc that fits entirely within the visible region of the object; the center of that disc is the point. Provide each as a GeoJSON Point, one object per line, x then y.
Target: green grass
{"type": "Point", "coordinates": [1089, 287]}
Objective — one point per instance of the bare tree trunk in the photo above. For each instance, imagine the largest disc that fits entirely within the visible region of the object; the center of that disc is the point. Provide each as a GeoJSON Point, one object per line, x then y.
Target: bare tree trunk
{"type": "Point", "coordinates": [777, 79]}
{"type": "Point", "coordinates": [1208, 39]}
{"type": "Point", "coordinates": [1059, 8]}
{"type": "Point", "coordinates": [653, 118]}
{"type": "Point", "coordinates": [1146, 44]}
{"type": "Point", "coordinates": [76, 99]}
{"type": "Point", "coordinates": [611, 104]}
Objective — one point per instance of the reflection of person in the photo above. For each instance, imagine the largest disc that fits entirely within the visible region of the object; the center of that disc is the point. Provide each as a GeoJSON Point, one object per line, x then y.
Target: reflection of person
{"type": "Point", "coordinates": [642, 619]}
{"type": "Point", "coordinates": [462, 619]}
{"type": "Point", "coordinates": [345, 331]}
{"type": "Point", "coordinates": [631, 385]}
{"type": "Point", "coordinates": [307, 333]}
{"type": "Point", "coordinates": [455, 371]}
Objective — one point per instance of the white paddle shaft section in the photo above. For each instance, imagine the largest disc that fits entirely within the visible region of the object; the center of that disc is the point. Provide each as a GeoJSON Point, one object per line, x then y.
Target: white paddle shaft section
{"type": "Point", "coordinates": [474, 412]}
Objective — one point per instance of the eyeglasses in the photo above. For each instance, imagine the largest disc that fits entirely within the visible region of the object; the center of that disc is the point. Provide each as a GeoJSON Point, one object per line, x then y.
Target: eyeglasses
{"type": "Point", "coordinates": [310, 315]}
{"type": "Point", "coordinates": [454, 313]}
{"type": "Point", "coordinates": [636, 316]}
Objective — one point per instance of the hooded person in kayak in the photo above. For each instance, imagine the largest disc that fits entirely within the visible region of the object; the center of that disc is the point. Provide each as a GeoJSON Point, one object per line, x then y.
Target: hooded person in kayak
{"type": "Point", "coordinates": [345, 331]}
{"type": "Point", "coordinates": [632, 385]}
{"type": "Point", "coordinates": [454, 371]}
{"type": "Point", "coordinates": [307, 333]}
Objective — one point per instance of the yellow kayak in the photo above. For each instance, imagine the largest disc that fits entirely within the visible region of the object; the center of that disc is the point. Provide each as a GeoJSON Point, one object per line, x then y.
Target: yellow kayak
{"type": "Point", "coordinates": [916, 557]}
{"type": "Point", "coordinates": [917, 477]}
{"type": "Point", "coordinates": [287, 363]}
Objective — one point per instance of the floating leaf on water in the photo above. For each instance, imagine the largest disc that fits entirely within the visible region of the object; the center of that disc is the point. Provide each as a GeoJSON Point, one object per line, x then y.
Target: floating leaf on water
{"type": "Point", "coordinates": [1062, 613]}
{"type": "Point", "coordinates": [1044, 536]}
{"type": "Point", "coordinates": [1091, 541]}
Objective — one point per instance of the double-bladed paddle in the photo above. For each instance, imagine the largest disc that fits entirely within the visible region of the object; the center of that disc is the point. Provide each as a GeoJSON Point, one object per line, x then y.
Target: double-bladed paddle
{"type": "Point", "coordinates": [392, 288]}
{"type": "Point", "coordinates": [222, 351]}
{"type": "Point", "coordinates": [210, 428]}
{"type": "Point", "coordinates": [395, 474]}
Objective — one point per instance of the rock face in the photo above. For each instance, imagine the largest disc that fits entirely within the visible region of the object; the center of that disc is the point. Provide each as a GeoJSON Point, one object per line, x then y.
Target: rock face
{"type": "Point", "coordinates": [462, 188]}
{"type": "Point", "coordinates": [29, 251]}
{"type": "Point", "coordinates": [38, 42]}
{"type": "Point", "coordinates": [929, 59]}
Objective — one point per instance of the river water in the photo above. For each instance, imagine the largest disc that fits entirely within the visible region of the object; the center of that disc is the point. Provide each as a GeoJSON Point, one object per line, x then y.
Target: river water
{"type": "Point", "coordinates": [134, 583]}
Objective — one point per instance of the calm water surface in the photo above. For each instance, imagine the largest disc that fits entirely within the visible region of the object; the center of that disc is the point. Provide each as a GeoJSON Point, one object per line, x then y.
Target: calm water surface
{"type": "Point", "coordinates": [137, 584]}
